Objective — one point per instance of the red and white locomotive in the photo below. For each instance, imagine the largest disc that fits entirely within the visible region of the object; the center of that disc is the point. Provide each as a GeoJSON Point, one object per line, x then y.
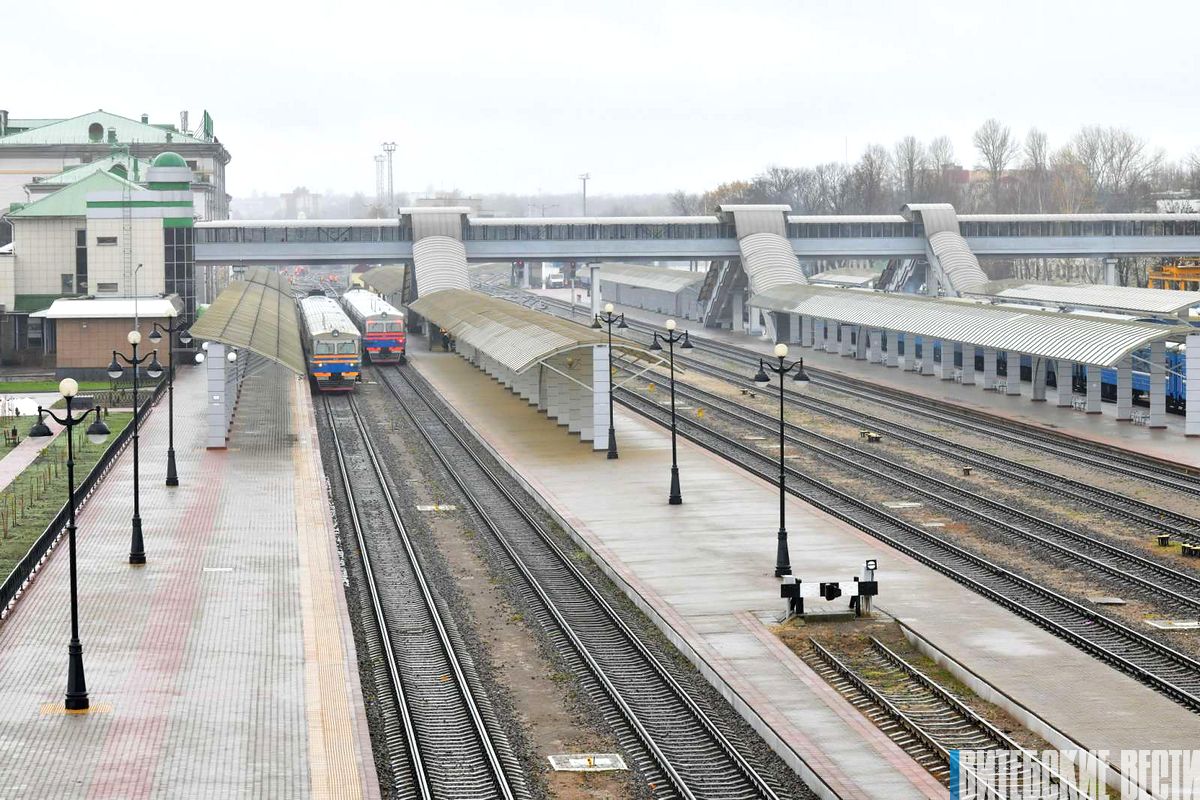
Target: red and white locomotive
{"type": "Point", "coordinates": [381, 325]}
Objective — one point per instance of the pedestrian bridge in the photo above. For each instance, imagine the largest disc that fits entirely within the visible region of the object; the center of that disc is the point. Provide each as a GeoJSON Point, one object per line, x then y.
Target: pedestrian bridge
{"type": "Point", "coordinates": [696, 237]}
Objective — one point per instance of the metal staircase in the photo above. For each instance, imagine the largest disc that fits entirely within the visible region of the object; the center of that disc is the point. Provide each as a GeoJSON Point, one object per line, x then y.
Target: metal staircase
{"type": "Point", "coordinates": [717, 289]}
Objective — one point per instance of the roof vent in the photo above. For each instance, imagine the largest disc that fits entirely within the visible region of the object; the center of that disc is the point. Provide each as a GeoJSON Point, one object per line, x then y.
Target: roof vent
{"type": "Point", "coordinates": [145, 119]}
{"type": "Point", "coordinates": [112, 135]}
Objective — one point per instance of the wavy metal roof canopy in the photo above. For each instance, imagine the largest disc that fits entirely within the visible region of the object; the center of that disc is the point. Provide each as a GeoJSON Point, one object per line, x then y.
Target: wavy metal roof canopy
{"type": "Point", "coordinates": [1074, 337]}
{"type": "Point", "coordinates": [387, 279]}
{"type": "Point", "coordinates": [660, 278]}
{"type": "Point", "coordinates": [516, 336]}
{"type": "Point", "coordinates": [259, 315]}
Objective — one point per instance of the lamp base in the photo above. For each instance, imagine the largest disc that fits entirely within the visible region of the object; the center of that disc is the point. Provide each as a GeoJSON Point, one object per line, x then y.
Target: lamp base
{"type": "Point", "coordinates": [676, 498]}
{"type": "Point", "coordinates": [137, 550]}
{"type": "Point", "coordinates": [172, 476]}
{"type": "Point", "coordinates": [77, 696]}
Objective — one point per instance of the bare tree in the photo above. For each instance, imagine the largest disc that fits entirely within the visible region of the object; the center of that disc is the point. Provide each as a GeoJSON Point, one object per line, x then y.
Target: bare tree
{"type": "Point", "coordinates": [997, 148]}
{"type": "Point", "coordinates": [870, 178]}
{"type": "Point", "coordinates": [910, 161]}
{"type": "Point", "coordinates": [685, 204]}
{"type": "Point", "coordinates": [1037, 165]}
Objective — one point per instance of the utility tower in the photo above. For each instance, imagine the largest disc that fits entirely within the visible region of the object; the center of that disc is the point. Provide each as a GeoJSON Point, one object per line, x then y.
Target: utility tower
{"type": "Point", "coordinates": [585, 177]}
{"type": "Point", "coordinates": [389, 148]}
{"type": "Point", "coordinates": [379, 181]}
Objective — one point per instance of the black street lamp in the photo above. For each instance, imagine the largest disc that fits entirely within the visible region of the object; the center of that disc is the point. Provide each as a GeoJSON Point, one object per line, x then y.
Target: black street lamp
{"type": "Point", "coordinates": [137, 550]}
{"type": "Point", "coordinates": [608, 318]}
{"type": "Point", "coordinates": [671, 338]}
{"type": "Point", "coordinates": [783, 562]}
{"type": "Point", "coordinates": [97, 432]}
{"type": "Point", "coordinates": [185, 339]}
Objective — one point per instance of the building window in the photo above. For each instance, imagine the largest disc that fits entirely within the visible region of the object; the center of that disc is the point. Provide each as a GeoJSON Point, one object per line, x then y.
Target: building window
{"type": "Point", "coordinates": [179, 259]}
{"type": "Point", "coordinates": [106, 288]}
{"type": "Point", "coordinates": [106, 241]}
{"type": "Point", "coordinates": [95, 132]}
{"type": "Point", "coordinates": [68, 283]}
{"type": "Point", "coordinates": [81, 264]}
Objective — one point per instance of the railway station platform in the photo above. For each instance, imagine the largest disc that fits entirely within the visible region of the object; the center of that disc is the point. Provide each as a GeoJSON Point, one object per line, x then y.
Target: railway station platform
{"type": "Point", "coordinates": [1168, 443]}
{"type": "Point", "coordinates": [703, 573]}
{"type": "Point", "coordinates": [224, 667]}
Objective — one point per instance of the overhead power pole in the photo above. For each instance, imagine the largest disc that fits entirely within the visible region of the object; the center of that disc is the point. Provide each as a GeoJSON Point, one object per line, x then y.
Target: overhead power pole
{"type": "Point", "coordinates": [389, 148]}
{"type": "Point", "coordinates": [585, 177]}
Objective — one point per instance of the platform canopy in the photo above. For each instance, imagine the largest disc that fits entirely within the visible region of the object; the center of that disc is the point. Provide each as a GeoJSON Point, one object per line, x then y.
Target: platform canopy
{"type": "Point", "coordinates": [257, 314]}
{"type": "Point", "coordinates": [1132, 299]}
{"type": "Point", "coordinates": [513, 335]}
{"type": "Point", "coordinates": [844, 277]}
{"type": "Point", "coordinates": [662, 279]}
{"type": "Point", "coordinates": [387, 279]}
{"type": "Point", "coordinates": [1085, 338]}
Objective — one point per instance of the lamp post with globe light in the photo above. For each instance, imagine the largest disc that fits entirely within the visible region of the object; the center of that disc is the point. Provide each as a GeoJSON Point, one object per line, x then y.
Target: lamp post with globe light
{"type": "Point", "coordinates": [137, 549]}
{"type": "Point", "coordinates": [97, 432]}
{"type": "Point", "coordinates": [783, 562]}
{"type": "Point", "coordinates": [672, 338]}
{"type": "Point", "coordinates": [608, 318]}
{"type": "Point", "coordinates": [185, 339]}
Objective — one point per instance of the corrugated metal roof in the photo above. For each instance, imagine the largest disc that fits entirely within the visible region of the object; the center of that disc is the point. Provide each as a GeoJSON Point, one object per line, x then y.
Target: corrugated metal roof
{"type": "Point", "coordinates": [111, 308]}
{"type": "Point", "coordinates": [81, 171]}
{"type": "Point", "coordinates": [769, 261]}
{"type": "Point", "coordinates": [446, 222]}
{"type": "Point", "coordinates": [936, 217]}
{"type": "Point", "coordinates": [516, 336]}
{"type": "Point", "coordinates": [298, 223]}
{"type": "Point", "coordinates": [75, 131]}
{"type": "Point", "coordinates": [1090, 340]}
{"type": "Point", "coordinates": [663, 279]}
{"type": "Point", "coordinates": [1120, 298]}
{"type": "Point", "coordinates": [440, 262]}
{"type": "Point", "coordinates": [321, 315]}
{"type": "Point", "coordinates": [1132, 217]}
{"type": "Point", "coordinates": [674, 220]}
{"type": "Point", "coordinates": [71, 200]}
{"type": "Point", "coordinates": [840, 218]}
{"type": "Point", "coordinates": [368, 304]}
{"type": "Point", "coordinates": [258, 316]}
{"type": "Point", "coordinates": [387, 279]}
{"type": "Point", "coordinates": [959, 264]}
{"type": "Point", "coordinates": [844, 277]}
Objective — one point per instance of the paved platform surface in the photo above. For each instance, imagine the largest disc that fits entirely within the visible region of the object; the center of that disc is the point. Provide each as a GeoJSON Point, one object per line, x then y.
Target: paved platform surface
{"type": "Point", "coordinates": [705, 569]}
{"type": "Point", "coordinates": [1167, 443]}
{"type": "Point", "coordinates": [223, 668]}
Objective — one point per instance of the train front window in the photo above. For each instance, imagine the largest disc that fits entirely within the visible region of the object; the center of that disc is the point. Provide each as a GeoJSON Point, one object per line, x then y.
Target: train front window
{"type": "Point", "coordinates": [324, 348]}
{"type": "Point", "coordinates": [347, 348]}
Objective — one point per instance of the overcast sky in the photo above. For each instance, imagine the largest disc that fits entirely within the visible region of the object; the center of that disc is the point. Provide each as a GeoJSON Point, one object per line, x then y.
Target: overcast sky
{"type": "Point", "coordinates": [645, 95]}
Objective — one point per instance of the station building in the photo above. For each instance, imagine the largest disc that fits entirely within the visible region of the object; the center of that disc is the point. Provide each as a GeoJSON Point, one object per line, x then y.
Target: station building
{"type": "Point", "coordinates": [98, 238]}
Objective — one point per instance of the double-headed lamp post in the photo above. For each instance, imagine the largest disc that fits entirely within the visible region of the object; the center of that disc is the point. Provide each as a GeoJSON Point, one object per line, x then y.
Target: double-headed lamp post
{"type": "Point", "coordinates": [783, 562]}
{"type": "Point", "coordinates": [185, 338]}
{"type": "Point", "coordinates": [137, 550]}
{"type": "Point", "coordinates": [608, 318]}
{"type": "Point", "coordinates": [672, 338]}
{"type": "Point", "coordinates": [97, 432]}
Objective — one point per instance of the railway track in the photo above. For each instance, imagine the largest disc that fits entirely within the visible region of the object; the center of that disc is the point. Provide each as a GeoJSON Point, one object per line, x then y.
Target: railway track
{"type": "Point", "coordinates": [1102, 458]}
{"type": "Point", "coordinates": [438, 722]}
{"type": "Point", "coordinates": [1168, 671]}
{"type": "Point", "coordinates": [1175, 588]}
{"type": "Point", "coordinates": [675, 744]}
{"type": "Point", "coordinates": [920, 715]}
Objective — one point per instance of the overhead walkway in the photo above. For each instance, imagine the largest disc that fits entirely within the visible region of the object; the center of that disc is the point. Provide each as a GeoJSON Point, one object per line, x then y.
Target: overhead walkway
{"type": "Point", "coordinates": [911, 331]}
{"type": "Point", "coordinates": [251, 318]}
{"type": "Point", "coordinates": [554, 364]}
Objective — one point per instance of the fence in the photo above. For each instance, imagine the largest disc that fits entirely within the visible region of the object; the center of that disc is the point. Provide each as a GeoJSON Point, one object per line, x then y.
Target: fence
{"type": "Point", "coordinates": [29, 564]}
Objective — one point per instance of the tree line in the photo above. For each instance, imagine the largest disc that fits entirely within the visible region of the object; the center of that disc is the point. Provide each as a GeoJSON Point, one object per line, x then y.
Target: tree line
{"type": "Point", "coordinates": [1099, 169]}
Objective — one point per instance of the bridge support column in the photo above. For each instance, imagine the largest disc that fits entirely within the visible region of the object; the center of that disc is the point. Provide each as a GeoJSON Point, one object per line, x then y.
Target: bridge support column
{"type": "Point", "coordinates": [1064, 376]}
{"type": "Point", "coordinates": [218, 419]}
{"type": "Point", "coordinates": [989, 369]}
{"type": "Point", "coordinates": [738, 309]}
{"type": "Point", "coordinates": [968, 365]}
{"type": "Point", "coordinates": [927, 354]}
{"type": "Point", "coordinates": [1125, 389]}
{"type": "Point", "coordinates": [806, 331]}
{"type": "Point", "coordinates": [860, 344]}
{"type": "Point", "coordinates": [1192, 362]}
{"type": "Point", "coordinates": [594, 291]}
{"type": "Point", "coordinates": [794, 334]}
{"type": "Point", "coordinates": [1012, 382]}
{"type": "Point", "coordinates": [754, 320]}
{"type": "Point", "coordinates": [1038, 377]}
{"type": "Point", "coordinates": [831, 336]}
{"type": "Point", "coordinates": [1158, 384]}
{"type": "Point", "coordinates": [1110, 272]}
{"type": "Point", "coordinates": [601, 385]}
{"type": "Point", "coordinates": [846, 345]}
{"type": "Point", "coordinates": [1093, 389]}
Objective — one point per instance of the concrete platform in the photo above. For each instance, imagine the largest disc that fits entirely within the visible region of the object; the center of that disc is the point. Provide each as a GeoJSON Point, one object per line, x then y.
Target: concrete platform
{"type": "Point", "coordinates": [703, 571]}
{"type": "Point", "coordinates": [1167, 443]}
{"type": "Point", "coordinates": [225, 666]}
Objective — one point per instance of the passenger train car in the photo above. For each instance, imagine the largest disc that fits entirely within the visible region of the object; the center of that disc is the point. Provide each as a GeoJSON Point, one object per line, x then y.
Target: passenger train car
{"type": "Point", "coordinates": [381, 325]}
{"type": "Point", "coordinates": [332, 345]}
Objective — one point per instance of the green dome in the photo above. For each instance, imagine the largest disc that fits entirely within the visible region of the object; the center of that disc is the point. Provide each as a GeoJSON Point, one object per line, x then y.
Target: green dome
{"type": "Point", "coordinates": [169, 160]}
